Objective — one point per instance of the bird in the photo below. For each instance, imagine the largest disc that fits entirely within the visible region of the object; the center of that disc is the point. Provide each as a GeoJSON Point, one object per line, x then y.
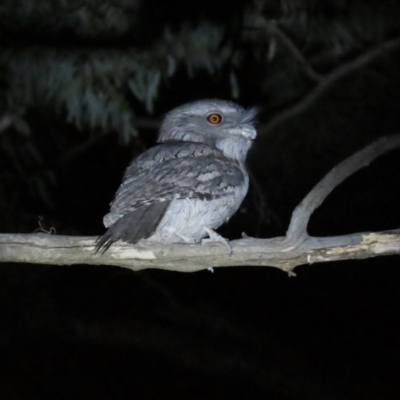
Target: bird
{"type": "Point", "coordinates": [190, 183]}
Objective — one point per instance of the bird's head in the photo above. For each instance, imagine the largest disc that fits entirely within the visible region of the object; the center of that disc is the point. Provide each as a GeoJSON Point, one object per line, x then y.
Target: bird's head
{"type": "Point", "coordinates": [218, 123]}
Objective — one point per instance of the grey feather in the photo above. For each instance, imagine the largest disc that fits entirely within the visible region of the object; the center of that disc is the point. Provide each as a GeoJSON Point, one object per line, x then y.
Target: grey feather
{"type": "Point", "coordinates": [193, 179]}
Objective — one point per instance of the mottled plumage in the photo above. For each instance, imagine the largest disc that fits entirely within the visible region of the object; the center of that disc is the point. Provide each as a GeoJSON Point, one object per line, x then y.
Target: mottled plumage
{"type": "Point", "coordinates": [193, 180]}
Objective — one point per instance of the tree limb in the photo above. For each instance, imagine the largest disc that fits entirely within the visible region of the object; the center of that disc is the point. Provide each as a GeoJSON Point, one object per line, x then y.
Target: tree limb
{"type": "Point", "coordinates": [325, 83]}
{"type": "Point", "coordinates": [67, 250]}
{"type": "Point", "coordinates": [276, 30]}
{"type": "Point", "coordinates": [302, 213]}
{"type": "Point", "coordinates": [296, 248]}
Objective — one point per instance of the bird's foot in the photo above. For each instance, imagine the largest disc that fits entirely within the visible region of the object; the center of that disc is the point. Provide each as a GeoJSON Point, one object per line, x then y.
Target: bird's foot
{"type": "Point", "coordinates": [215, 237]}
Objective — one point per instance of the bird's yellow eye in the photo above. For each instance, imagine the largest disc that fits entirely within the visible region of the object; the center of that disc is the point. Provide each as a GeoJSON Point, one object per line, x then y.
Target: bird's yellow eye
{"type": "Point", "coordinates": [214, 118]}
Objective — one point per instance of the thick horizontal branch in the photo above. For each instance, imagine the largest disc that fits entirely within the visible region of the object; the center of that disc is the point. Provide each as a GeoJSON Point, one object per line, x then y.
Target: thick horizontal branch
{"type": "Point", "coordinates": [67, 250]}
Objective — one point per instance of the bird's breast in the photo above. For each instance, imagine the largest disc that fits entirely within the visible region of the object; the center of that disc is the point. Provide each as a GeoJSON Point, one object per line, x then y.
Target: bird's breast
{"type": "Point", "coordinates": [185, 219]}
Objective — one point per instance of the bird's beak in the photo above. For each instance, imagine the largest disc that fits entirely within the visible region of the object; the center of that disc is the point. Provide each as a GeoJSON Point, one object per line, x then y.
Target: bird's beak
{"type": "Point", "coordinates": [248, 131]}
{"type": "Point", "coordinates": [245, 130]}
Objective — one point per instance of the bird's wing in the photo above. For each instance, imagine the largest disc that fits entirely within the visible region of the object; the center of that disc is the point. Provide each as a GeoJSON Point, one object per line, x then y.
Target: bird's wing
{"type": "Point", "coordinates": [173, 171]}
{"type": "Point", "coordinates": [164, 173]}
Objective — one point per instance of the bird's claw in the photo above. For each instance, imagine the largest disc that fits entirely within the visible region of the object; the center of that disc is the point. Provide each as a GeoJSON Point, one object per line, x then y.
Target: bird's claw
{"type": "Point", "coordinates": [215, 237]}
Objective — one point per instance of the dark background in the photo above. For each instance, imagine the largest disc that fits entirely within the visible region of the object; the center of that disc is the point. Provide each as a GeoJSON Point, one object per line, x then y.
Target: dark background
{"type": "Point", "coordinates": [82, 332]}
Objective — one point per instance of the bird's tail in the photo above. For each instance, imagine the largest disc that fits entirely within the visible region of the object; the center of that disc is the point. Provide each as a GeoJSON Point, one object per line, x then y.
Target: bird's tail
{"type": "Point", "coordinates": [133, 226]}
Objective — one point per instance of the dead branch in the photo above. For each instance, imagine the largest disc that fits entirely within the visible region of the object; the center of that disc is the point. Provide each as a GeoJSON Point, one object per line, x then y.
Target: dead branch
{"type": "Point", "coordinates": [67, 250]}
{"type": "Point", "coordinates": [296, 248]}
{"type": "Point", "coordinates": [302, 213]}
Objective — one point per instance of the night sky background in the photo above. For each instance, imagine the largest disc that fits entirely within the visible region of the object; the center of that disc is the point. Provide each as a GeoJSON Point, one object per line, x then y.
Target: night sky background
{"type": "Point", "coordinates": [85, 332]}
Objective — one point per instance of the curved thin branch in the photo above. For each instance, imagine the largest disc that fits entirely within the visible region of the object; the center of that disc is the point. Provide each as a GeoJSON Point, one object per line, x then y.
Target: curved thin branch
{"type": "Point", "coordinates": [275, 29]}
{"type": "Point", "coordinates": [302, 213]}
{"type": "Point", "coordinates": [327, 82]}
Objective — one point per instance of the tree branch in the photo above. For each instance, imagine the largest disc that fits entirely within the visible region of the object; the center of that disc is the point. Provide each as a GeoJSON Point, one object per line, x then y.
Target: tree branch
{"type": "Point", "coordinates": [297, 248]}
{"type": "Point", "coordinates": [67, 250]}
{"type": "Point", "coordinates": [325, 83]}
{"type": "Point", "coordinates": [275, 29]}
{"type": "Point", "coordinates": [302, 213]}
